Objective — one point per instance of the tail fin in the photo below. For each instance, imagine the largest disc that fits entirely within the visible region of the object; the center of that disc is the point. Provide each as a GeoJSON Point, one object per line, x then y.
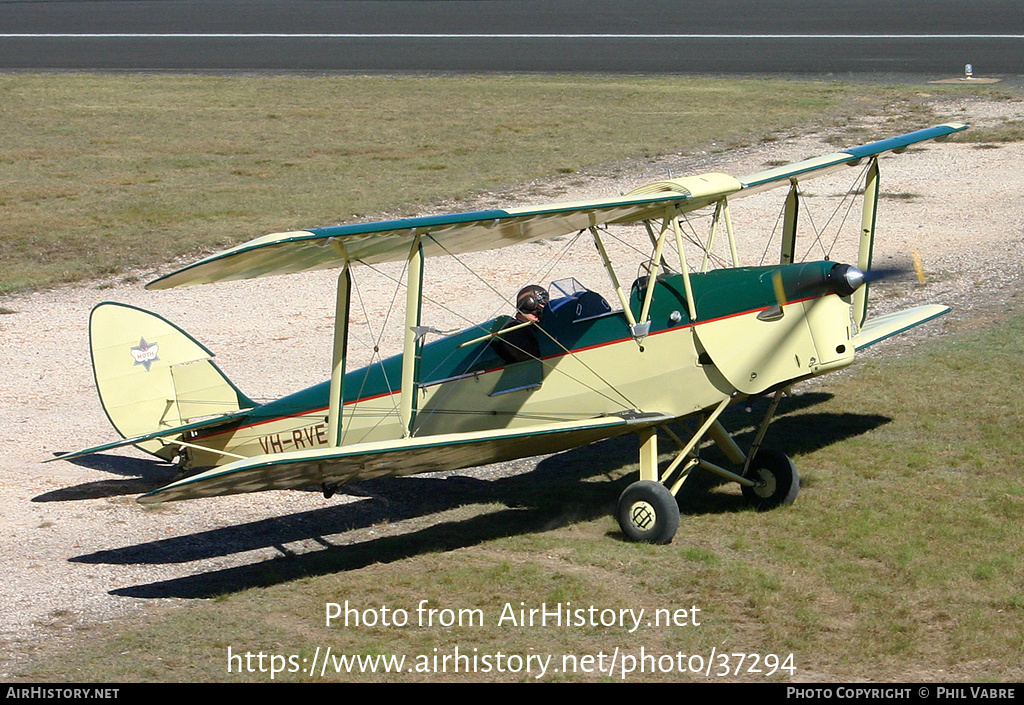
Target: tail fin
{"type": "Point", "coordinates": [152, 375]}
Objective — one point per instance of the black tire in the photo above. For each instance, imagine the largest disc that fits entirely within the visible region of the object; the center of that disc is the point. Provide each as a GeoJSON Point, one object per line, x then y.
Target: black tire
{"type": "Point", "coordinates": [779, 481]}
{"type": "Point", "coordinates": [648, 512]}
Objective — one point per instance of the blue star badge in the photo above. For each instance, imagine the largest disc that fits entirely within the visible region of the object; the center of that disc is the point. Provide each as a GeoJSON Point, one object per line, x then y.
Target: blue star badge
{"type": "Point", "coordinates": [145, 353]}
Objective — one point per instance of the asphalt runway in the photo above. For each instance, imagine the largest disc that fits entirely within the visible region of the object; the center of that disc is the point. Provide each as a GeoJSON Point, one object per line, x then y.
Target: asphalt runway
{"type": "Point", "coordinates": [860, 37]}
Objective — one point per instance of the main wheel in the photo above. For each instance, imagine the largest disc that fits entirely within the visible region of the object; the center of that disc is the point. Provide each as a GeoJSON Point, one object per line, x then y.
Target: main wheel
{"type": "Point", "coordinates": [778, 482]}
{"type": "Point", "coordinates": [648, 512]}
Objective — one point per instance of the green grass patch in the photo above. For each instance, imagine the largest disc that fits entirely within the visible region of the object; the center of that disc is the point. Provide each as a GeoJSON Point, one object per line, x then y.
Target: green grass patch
{"type": "Point", "coordinates": [106, 173]}
{"type": "Point", "coordinates": [898, 562]}
{"type": "Point", "coordinates": [1007, 131]}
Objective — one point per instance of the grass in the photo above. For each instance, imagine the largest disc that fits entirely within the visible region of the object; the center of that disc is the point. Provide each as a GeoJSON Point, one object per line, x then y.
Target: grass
{"type": "Point", "coordinates": [105, 174]}
{"type": "Point", "coordinates": [897, 563]}
{"type": "Point", "coordinates": [1007, 131]}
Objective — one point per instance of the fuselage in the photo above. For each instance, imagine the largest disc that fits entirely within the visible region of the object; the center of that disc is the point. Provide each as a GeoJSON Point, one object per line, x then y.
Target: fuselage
{"type": "Point", "coordinates": [743, 341]}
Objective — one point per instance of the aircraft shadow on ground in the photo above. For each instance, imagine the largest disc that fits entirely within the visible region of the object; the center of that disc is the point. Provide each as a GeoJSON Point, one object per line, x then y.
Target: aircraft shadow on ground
{"type": "Point", "coordinates": [140, 475]}
{"type": "Point", "coordinates": [143, 475]}
{"type": "Point", "coordinates": [560, 491]}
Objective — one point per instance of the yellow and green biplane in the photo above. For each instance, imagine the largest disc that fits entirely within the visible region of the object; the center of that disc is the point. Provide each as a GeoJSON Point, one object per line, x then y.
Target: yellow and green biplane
{"type": "Point", "coordinates": [681, 344]}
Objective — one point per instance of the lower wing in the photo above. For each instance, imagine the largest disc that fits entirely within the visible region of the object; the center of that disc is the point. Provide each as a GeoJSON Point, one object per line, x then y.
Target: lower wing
{"type": "Point", "coordinates": [407, 456]}
{"type": "Point", "coordinates": [882, 327]}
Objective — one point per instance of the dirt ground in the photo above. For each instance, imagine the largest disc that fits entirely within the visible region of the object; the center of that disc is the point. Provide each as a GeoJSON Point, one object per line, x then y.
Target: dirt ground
{"type": "Point", "coordinates": [78, 549]}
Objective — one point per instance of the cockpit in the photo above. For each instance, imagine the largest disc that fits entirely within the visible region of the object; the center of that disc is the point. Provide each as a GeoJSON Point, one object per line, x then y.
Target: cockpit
{"type": "Point", "coordinates": [571, 301]}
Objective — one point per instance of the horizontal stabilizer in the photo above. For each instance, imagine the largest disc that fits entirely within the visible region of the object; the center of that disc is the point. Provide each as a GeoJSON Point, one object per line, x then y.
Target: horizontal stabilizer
{"type": "Point", "coordinates": [407, 456]}
{"type": "Point", "coordinates": [886, 326]}
{"type": "Point", "coordinates": [164, 433]}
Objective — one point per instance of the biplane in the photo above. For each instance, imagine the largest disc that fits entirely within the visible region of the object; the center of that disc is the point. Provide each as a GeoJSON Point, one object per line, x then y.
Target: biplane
{"type": "Point", "coordinates": [663, 358]}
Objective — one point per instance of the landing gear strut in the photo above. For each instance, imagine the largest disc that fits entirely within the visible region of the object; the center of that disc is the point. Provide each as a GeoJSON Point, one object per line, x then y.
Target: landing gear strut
{"type": "Point", "coordinates": [648, 511]}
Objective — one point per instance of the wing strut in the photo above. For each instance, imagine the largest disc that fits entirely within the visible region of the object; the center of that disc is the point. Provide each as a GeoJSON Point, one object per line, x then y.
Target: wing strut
{"type": "Point", "coordinates": [615, 280]}
{"type": "Point", "coordinates": [685, 269]}
{"type": "Point", "coordinates": [788, 255]}
{"type": "Point", "coordinates": [867, 240]}
{"type": "Point", "coordinates": [645, 310]}
{"type": "Point", "coordinates": [721, 213]}
{"type": "Point", "coordinates": [337, 398]}
{"type": "Point", "coordinates": [411, 348]}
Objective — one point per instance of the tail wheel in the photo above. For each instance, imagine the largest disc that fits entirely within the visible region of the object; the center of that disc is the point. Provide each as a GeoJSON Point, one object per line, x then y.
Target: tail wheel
{"type": "Point", "coordinates": [776, 477]}
{"type": "Point", "coordinates": [648, 512]}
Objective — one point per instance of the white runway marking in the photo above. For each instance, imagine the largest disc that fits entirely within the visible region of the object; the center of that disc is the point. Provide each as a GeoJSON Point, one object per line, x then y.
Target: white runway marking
{"type": "Point", "coordinates": [214, 35]}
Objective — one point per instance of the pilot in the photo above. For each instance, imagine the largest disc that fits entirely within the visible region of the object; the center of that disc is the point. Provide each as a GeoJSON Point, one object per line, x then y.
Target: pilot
{"type": "Point", "coordinates": [521, 344]}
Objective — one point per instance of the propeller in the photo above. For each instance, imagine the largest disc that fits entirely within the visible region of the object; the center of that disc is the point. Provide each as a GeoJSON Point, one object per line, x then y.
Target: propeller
{"type": "Point", "coordinates": [842, 279]}
{"type": "Point", "coordinates": [882, 273]}
{"type": "Point", "coordinates": [878, 274]}
{"type": "Point", "coordinates": [792, 284]}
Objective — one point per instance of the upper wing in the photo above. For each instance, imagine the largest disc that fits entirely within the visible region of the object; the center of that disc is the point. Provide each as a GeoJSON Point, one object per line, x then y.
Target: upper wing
{"type": "Point", "coordinates": [851, 157]}
{"type": "Point", "coordinates": [408, 456]}
{"type": "Point", "coordinates": [386, 241]}
{"type": "Point", "coordinates": [458, 233]}
{"type": "Point", "coordinates": [819, 166]}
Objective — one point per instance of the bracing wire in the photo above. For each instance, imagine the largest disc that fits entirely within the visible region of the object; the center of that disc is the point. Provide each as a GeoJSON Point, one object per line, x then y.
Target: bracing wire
{"type": "Point", "coordinates": [542, 275]}
{"type": "Point", "coordinates": [848, 200]}
{"type": "Point", "coordinates": [375, 359]}
{"type": "Point", "coordinates": [694, 239]}
{"type": "Point", "coordinates": [775, 229]}
{"type": "Point", "coordinates": [553, 264]}
{"type": "Point", "coordinates": [819, 233]}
